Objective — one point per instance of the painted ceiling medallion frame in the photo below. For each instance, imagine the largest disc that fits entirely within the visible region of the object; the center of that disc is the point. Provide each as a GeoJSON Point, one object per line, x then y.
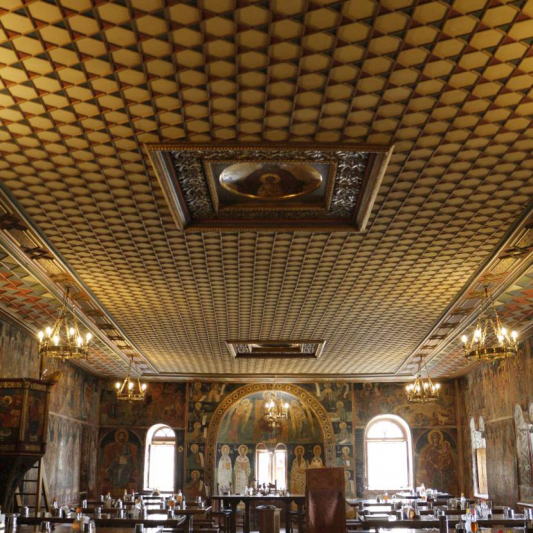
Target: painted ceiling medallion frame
{"type": "Point", "coordinates": [236, 396]}
{"type": "Point", "coordinates": [274, 195]}
{"type": "Point", "coordinates": [281, 349]}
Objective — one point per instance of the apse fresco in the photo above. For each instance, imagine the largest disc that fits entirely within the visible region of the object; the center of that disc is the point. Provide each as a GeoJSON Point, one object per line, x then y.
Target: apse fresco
{"type": "Point", "coordinates": [389, 398]}
{"type": "Point", "coordinates": [164, 403]}
{"type": "Point", "coordinates": [120, 460]}
{"type": "Point", "coordinates": [502, 393]}
{"type": "Point", "coordinates": [436, 459]}
{"type": "Point", "coordinates": [240, 431]}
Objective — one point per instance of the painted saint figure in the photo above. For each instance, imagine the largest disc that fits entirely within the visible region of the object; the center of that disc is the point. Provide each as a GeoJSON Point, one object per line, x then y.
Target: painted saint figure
{"type": "Point", "coordinates": [316, 461]}
{"type": "Point", "coordinates": [298, 471]}
{"type": "Point", "coordinates": [237, 420]}
{"type": "Point", "coordinates": [242, 470]}
{"type": "Point", "coordinates": [119, 460]}
{"type": "Point", "coordinates": [343, 436]}
{"type": "Point", "coordinates": [196, 457]}
{"type": "Point", "coordinates": [437, 461]}
{"type": "Point", "coordinates": [225, 470]}
{"type": "Point", "coordinates": [345, 459]}
{"type": "Point", "coordinates": [196, 487]}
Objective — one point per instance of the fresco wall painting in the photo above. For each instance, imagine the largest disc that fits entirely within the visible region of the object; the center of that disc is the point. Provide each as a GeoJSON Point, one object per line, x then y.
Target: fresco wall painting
{"type": "Point", "coordinates": [227, 441]}
{"type": "Point", "coordinates": [123, 428]}
{"type": "Point", "coordinates": [435, 421]}
{"type": "Point", "coordinates": [73, 409]}
{"type": "Point", "coordinates": [502, 394]}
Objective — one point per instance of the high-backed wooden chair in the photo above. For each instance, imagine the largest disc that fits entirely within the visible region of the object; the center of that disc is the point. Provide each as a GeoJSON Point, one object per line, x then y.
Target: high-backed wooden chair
{"type": "Point", "coordinates": [325, 500]}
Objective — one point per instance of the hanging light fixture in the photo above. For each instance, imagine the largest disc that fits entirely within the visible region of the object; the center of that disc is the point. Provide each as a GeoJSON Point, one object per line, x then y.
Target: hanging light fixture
{"type": "Point", "coordinates": [130, 388]}
{"type": "Point", "coordinates": [273, 416]}
{"type": "Point", "coordinates": [63, 340]}
{"type": "Point", "coordinates": [422, 390]}
{"type": "Point", "coordinates": [491, 340]}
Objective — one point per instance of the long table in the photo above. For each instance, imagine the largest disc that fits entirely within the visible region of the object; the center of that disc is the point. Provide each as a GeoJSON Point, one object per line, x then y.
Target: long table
{"type": "Point", "coordinates": [233, 501]}
{"type": "Point", "coordinates": [431, 522]}
{"type": "Point", "coordinates": [184, 517]}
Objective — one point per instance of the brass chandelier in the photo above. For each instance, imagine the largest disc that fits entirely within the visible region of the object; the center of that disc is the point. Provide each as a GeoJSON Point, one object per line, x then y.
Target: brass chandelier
{"type": "Point", "coordinates": [274, 414]}
{"type": "Point", "coordinates": [491, 340]}
{"type": "Point", "coordinates": [130, 389]}
{"type": "Point", "coordinates": [422, 390]}
{"type": "Point", "coordinates": [63, 340]}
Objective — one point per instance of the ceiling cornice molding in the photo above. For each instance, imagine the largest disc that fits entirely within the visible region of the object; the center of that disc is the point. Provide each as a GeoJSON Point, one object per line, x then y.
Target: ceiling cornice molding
{"type": "Point", "coordinates": [500, 282]}
{"type": "Point", "coordinates": [42, 275]}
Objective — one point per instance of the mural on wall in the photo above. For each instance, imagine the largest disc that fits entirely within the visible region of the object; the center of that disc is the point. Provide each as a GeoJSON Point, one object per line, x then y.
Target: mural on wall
{"type": "Point", "coordinates": [73, 405]}
{"type": "Point", "coordinates": [436, 461]}
{"type": "Point", "coordinates": [76, 394]}
{"type": "Point", "coordinates": [501, 463]}
{"type": "Point", "coordinates": [62, 458]}
{"type": "Point", "coordinates": [501, 393]}
{"type": "Point", "coordinates": [18, 351]}
{"type": "Point", "coordinates": [240, 431]}
{"type": "Point", "coordinates": [89, 452]}
{"type": "Point", "coordinates": [523, 452]}
{"type": "Point", "coordinates": [375, 399]}
{"type": "Point", "coordinates": [164, 403]}
{"type": "Point", "coordinates": [120, 462]}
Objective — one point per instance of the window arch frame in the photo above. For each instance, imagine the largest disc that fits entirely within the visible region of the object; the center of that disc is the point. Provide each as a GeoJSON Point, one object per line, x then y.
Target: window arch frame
{"type": "Point", "coordinates": [261, 448]}
{"type": "Point", "coordinates": [150, 434]}
{"type": "Point", "coordinates": [407, 438]}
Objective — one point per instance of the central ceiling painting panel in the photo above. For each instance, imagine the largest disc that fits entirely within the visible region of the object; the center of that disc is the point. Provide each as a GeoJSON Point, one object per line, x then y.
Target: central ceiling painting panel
{"type": "Point", "coordinates": [270, 187]}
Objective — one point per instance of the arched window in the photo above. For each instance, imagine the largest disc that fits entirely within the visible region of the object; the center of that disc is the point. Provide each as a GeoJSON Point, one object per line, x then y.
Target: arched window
{"type": "Point", "coordinates": [271, 465]}
{"type": "Point", "coordinates": [159, 459]}
{"type": "Point", "coordinates": [388, 454]}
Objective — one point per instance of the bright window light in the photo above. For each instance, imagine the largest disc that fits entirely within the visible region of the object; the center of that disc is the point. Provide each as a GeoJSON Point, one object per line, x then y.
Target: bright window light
{"type": "Point", "coordinates": [388, 454]}
{"type": "Point", "coordinates": [160, 458]}
{"type": "Point", "coordinates": [272, 467]}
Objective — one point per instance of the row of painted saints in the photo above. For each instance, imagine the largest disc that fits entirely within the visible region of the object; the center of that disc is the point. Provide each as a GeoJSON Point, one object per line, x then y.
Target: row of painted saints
{"type": "Point", "coordinates": [238, 476]}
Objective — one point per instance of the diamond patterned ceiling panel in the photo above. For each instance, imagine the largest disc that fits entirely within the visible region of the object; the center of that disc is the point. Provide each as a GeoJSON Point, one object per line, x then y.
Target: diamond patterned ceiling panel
{"type": "Point", "coordinates": [84, 84]}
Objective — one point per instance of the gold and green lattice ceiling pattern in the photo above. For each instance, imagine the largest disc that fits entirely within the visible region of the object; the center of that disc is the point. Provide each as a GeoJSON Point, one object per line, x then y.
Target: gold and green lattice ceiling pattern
{"type": "Point", "coordinates": [85, 83]}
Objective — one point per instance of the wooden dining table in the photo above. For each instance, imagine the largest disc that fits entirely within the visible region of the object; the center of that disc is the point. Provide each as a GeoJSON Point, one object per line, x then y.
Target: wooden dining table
{"type": "Point", "coordinates": [183, 517]}
{"type": "Point", "coordinates": [428, 521]}
{"type": "Point", "coordinates": [233, 500]}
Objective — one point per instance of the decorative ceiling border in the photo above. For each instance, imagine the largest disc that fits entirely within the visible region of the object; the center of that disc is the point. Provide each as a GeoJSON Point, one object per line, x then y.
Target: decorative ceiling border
{"type": "Point", "coordinates": [24, 242]}
{"type": "Point", "coordinates": [501, 269]}
{"type": "Point", "coordinates": [176, 196]}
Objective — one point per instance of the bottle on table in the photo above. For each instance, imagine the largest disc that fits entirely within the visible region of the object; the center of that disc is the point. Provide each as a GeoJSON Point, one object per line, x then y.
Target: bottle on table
{"type": "Point", "coordinates": [462, 501]}
{"type": "Point", "coordinates": [78, 521]}
{"type": "Point", "coordinates": [412, 513]}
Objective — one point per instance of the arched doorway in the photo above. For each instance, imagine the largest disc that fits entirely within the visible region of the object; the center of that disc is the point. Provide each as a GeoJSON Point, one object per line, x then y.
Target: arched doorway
{"type": "Point", "coordinates": [235, 433]}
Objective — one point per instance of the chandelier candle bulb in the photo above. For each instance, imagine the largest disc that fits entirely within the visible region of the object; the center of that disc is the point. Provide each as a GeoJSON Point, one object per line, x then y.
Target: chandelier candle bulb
{"type": "Point", "coordinates": [63, 340]}
{"type": "Point", "coordinates": [491, 339]}
{"type": "Point", "coordinates": [130, 389]}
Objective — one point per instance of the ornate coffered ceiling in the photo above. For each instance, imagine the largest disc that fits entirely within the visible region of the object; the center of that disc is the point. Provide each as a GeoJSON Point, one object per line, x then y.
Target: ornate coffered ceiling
{"type": "Point", "coordinates": [85, 84]}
